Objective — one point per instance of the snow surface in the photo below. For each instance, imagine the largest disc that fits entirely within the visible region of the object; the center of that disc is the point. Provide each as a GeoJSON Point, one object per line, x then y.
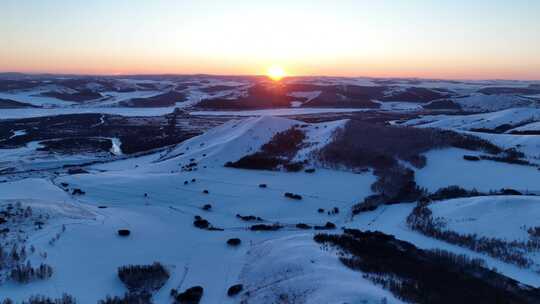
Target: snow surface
{"type": "Point", "coordinates": [485, 120]}
{"type": "Point", "coordinates": [296, 265]}
{"type": "Point", "coordinates": [481, 102]}
{"type": "Point", "coordinates": [278, 112]}
{"type": "Point", "coordinates": [161, 221]}
{"type": "Point", "coordinates": [447, 167]}
{"type": "Point", "coordinates": [478, 215]}
{"type": "Point", "coordinates": [27, 113]}
{"type": "Point", "coordinates": [32, 98]}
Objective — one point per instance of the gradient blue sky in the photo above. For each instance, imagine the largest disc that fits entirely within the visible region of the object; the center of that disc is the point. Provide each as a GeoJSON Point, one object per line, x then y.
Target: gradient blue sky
{"type": "Point", "coordinates": [436, 38]}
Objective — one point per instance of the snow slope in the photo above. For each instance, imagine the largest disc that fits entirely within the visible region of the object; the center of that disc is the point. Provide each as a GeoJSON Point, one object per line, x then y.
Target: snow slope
{"type": "Point", "coordinates": [295, 265]}
{"type": "Point", "coordinates": [477, 121]}
{"type": "Point", "coordinates": [161, 221]}
{"type": "Point", "coordinates": [478, 102]}
{"type": "Point", "coordinates": [478, 215]}
{"type": "Point", "coordinates": [447, 167]}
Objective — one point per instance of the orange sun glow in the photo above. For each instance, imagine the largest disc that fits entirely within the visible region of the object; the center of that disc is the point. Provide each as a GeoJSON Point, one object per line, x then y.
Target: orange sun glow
{"type": "Point", "coordinates": [275, 73]}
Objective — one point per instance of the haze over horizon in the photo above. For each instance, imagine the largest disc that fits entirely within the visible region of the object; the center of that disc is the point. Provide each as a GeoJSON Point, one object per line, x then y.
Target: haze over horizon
{"type": "Point", "coordinates": [420, 38]}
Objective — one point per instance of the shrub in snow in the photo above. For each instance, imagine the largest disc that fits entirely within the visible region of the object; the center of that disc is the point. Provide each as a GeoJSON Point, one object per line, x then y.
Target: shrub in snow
{"type": "Point", "coordinates": [534, 233]}
{"type": "Point", "coordinates": [129, 298]}
{"type": "Point", "coordinates": [310, 170]}
{"type": "Point", "coordinates": [207, 207]}
{"type": "Point", "coordinates": [262, 185]}
{"type": "Point", "coordinates": [303, 226]}
{"type": "Point", "coordinates": [263, 227]}
{"type": "Point", "coordinates": [26, 273]}
{"type": "Point", "coordinates": [77, 171]}
{"type": "Point", "coordinates": [509, 191]}
{"type": "Point", "coordinates": [77, 191]}
{"type": "Point", "coordinates": [124, 232]}
{"type": "Point", "coordinates": [471, 158]}
{"type": "Point", "coordinates": [249, 218]}
{"type": "Point", "coordinates": [38, 299]}
{"type": "Point", "coordinates": [234, 242]}
{"type": "Point", "coordinates": [191, 295]}
{"type": "Point", "coordinates": [201, 223]}
{"type": "Point", "coordinates": [234, 290]}
{"type": "Point", "coordinates": [327, 226]}
{"type": "Point", "coordinates": [292, 196]}
{"type": "Point", "coordinates": [143, 278]}
{"type": "Point", "coordinates": [320, 210]}
{"type": "Point", "coordinates": [293, 167]}
{"type": "Point", "coordinates": [205, 191]}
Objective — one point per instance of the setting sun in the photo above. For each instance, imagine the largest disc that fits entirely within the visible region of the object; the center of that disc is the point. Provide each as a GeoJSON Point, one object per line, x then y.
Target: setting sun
{"type": "Point", "coordinates": [275, 73]}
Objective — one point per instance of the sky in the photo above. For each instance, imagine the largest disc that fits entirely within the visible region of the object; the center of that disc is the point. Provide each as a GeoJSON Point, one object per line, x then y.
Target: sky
{"type": "Point", "coordinates": [474, 39]}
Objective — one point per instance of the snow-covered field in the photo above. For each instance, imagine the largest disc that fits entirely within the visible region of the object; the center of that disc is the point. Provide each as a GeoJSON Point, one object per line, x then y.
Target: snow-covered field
{"type": "Point", "coordinates": [446, 167]}
{"type": "Point", "coordinates": [161, 222]}
{"type": "Point", "coordinates": [27, 113]}
{"type": "Point", "coordinates": [157, 195]}
{"type": "Point", "coordinates": [489, 120]}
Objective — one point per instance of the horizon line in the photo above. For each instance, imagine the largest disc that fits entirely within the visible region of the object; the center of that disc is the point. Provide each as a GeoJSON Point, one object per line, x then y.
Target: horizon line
{"type": "Point", "coordinates": [260, 75]}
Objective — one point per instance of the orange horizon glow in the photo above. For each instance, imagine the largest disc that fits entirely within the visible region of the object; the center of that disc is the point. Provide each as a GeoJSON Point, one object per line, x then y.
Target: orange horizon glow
{"type": "Point", "coordinates": [426, 73]}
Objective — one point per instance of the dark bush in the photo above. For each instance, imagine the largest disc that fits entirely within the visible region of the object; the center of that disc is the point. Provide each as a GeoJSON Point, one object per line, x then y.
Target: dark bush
{"type": "Point", "coordinates": [263, 227]}
{"type": "Point", "coordinates": [207, 207]}
{"type": "Point", "coordinates": [38, 299]}
{"type": "Point", "coordinates": [249, 218]}
{"type": "Point", "coordinates": [327, 226]}
{"type": "Point", "coordinates": [205, 191]}
{"type": "Point", "coordinates": [292, 196]}
{"type": "Point", "coordinates": [26, 273]}
{"type": "Point", "coordinates": [303, 226]}
{"type": "Point", "coordinates": [201, 223]}
{"type": "Point", "coordinates": [191, 295]}
{"type": "Point", "coordinates": [293, 167]}
{"type": "Point", "coordinates": [320, 210]}
{"type": "Point", "coordinates": [451, 192]}
{"type": "Point", "coordinates": [234, 242]}
{"type": "Point", "coordinates": [143, 278]}
{"type": "Point", "coordinates": [77, 171]}
{"type": "Point", "coordinates": [77, 192]}
{"type": "Point", "coordinates": [129, 298]}
{"type": "Point", "coordinates": [509, 191]}
{"type": "Point", "coordinates": [262, 185]}
{"type": "Point", "coordinates": [310, 170]}
{"type": "Point", "coordinates": [471, 157]}
{"type": "Point", "coordinates": [234, 290]}
{"type": "Point", "coordinates": [124, 232]}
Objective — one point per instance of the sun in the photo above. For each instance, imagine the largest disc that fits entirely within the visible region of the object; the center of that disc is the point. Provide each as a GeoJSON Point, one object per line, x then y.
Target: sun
{"type": "Point", "coordinates": [275, 73]}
